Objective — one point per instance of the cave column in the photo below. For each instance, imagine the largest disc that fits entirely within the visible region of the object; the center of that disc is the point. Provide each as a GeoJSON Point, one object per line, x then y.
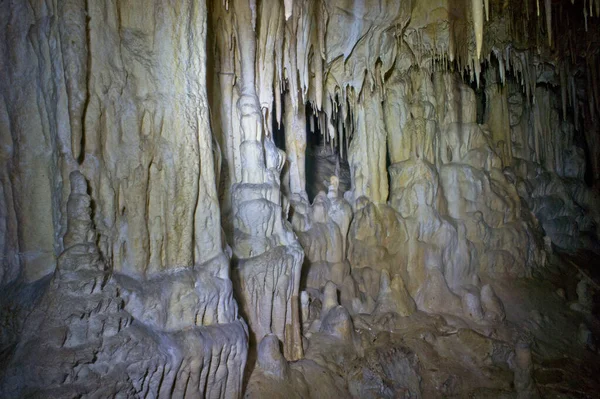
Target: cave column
{"type": "Point", "coordinates": [268, 256]}
{"type": "Point", "coordinates": [225, 117]}
{"type": "Point", "coordinates": [295, 145]}
{"type": "Point", "coordinates": [367, 152]}
{"type": "Point", "coordinates": [252, 157]}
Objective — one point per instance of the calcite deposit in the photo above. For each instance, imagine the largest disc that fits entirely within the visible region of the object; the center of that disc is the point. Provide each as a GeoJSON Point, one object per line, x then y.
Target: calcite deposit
{"type": "Point", "coordinates": [299, 198]}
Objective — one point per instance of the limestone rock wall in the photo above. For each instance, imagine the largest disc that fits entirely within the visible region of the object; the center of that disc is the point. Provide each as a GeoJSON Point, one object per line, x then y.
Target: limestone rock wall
{"type": "Point", "coordinates": [120, 274]}
{"type": "Point", "coordinates": [143, 195]}
{"type": "Point", "coordinates": [85, 338]}
{"type": "Point", "coordinates": [148, 144]}
{"type": "Point", "coordinates": [121, 95]}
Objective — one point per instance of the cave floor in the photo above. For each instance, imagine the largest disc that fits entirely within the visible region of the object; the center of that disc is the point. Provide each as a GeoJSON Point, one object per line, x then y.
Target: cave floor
{"type": "Point", "coordinates": [447, 356]}
{"type": "Point", "coordinates": [542, 308]}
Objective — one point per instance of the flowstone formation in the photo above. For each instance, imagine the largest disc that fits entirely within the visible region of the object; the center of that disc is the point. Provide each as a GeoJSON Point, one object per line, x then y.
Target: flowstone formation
{"type": "Point", "coordinates": [88, 335]}
{"type": "Point", "coordinates": [116, 283]}
{"type": "Point", "coordinates": [307, 199]}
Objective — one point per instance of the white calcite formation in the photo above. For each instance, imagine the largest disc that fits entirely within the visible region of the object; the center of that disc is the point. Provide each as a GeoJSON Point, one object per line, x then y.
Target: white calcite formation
{"type": "Point", "coordinates": [138, 300]}
{"type": "Point", "coordinates": [92, 334]}
{"type": "Point", "coordinates": [310, 198]}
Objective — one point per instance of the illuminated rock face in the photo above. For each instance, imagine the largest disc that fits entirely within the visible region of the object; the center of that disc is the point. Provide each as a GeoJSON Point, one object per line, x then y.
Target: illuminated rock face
{"type": "Point", "coordinates": [175, 335]}
{"type": "Point", "coordinates": [124, 264]}
{"type": "Point", "coordinates": [312, 198]}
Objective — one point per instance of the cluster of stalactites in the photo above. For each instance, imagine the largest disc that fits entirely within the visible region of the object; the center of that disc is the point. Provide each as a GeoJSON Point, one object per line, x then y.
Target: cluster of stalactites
{"type": "Point", "coordinates": [329, 79]}
{"type": "Point", "coordinates": [304, 47]}
{"type": "Point", "coordinates": [591, 8]}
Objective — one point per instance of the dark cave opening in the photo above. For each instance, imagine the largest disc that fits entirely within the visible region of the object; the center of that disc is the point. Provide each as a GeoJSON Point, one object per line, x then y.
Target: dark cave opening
{"type": "Point", "coordinates": [323, 159]}
{"type": "Point", "coordinates": [277, 130]}
{"type": "Point", "coordinates": [314, 140]}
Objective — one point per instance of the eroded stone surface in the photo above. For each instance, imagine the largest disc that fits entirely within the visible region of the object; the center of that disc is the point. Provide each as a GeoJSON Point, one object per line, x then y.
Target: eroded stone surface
{"type": "Point", "coordinates": [386, 188]}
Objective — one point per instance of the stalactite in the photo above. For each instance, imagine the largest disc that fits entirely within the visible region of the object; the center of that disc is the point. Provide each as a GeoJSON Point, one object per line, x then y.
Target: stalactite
{"type": "Point", "coordinates": [318, 67]}
{"type": "Point", "coordinates": [289, 6]}
{"type": "Point", "coordinates": [563, 90]}
{"type": "Point", "coordinates": [477, 10]}
{"type": "Point", "coordinates": [278, 104]}
{"type": "Point", "coordinates": [487, 10]}
{"type": "Point", "coordinates": [548, 8]}
{"type": "Point", "coordinates": [595, 87]}
{"type": "Point", "coordinates": [75, 55]}
{"type": "Point", "coordinates": [295, 144]}
{"type": "Point", "coordinates": [304, 47]}
{"type": "Point", "coordinates": [576, 114]}
{"type": "Point", "coordinates": [590, 90]}
{"type": "Point", "coordinates": [270, 30]}
{"type": "Point", "coordinates": [290, 58]}
{"type": "Point", "coordinates": [501, 65]}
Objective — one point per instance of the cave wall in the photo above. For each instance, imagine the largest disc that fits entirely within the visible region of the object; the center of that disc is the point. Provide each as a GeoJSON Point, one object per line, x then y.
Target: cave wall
{"type": "Point", "coordinates": [115, 92]}
{"type": "Point", "coordinates": [143, 196]}
{"type": "Point", "coordinates": [121, 95]}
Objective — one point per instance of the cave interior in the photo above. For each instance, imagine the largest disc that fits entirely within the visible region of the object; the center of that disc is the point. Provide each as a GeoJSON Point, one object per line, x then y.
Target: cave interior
{"type": "Point", "coordinates": [299, 198]}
